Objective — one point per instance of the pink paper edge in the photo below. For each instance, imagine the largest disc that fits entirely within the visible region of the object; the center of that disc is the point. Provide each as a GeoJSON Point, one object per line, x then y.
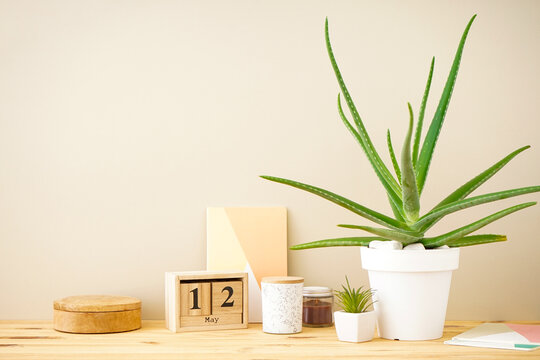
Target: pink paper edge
{"type": "Point", "coordinates": [531, 332]}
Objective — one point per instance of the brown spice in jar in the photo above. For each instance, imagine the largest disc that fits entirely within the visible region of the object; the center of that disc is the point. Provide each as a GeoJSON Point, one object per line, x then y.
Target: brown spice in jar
{"type": "Point", "coordinates": [317, 313]}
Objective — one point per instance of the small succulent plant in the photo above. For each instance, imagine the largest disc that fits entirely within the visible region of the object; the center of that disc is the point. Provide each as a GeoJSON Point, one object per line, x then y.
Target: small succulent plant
{"type": "Point", "coordinates": [354, 300]}
{"type": "Point", "coordinates": [408, 225]}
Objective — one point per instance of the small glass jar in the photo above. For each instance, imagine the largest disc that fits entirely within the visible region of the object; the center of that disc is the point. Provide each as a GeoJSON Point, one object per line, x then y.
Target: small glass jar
{"type": "Point", "coordinates": [317, 306]}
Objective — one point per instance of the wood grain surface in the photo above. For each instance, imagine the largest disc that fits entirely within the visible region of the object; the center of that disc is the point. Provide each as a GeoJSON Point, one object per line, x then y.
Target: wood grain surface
{"type": "Point", "coordinates": [97, 322]}
{"type": "Point", "coordinates": [37, 340]}
{"type": "Point", "coordinates": [97, 303]}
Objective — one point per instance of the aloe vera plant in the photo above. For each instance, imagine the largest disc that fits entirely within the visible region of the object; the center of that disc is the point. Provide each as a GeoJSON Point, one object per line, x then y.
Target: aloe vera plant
{"type": "Point", "coordinates": [404, 190]}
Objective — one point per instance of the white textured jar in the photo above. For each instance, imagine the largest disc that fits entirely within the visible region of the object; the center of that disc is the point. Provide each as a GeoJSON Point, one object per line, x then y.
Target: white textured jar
{"type": "Point", "coordinates": [282, 304]}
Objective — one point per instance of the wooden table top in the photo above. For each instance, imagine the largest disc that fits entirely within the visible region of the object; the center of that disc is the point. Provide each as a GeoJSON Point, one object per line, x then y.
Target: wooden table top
{"type": "Point", "coordinates": [37, 340]}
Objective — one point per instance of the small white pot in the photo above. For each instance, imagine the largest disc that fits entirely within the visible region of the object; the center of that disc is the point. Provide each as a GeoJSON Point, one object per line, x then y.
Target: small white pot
{"type": "Point", "coordinates": [355, 327]}
{"type": "Point", "coordinates": [411, 290]}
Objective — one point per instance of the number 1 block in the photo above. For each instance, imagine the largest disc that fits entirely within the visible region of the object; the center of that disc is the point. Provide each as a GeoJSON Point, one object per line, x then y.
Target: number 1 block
{"type": "Point", "coordinates": [195, 299]}
{"type": "Point", "coordinates": [227, 297]}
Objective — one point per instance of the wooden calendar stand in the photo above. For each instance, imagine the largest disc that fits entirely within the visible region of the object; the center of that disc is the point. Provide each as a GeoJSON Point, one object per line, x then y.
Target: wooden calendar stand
{"type": "Point", "coordinates": [204, 300]}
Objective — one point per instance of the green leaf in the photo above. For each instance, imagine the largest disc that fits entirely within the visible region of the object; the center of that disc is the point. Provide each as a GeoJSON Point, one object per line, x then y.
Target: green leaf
{"type": "Point", "coordinates": [432, 135]}
{"type": "Point", "coordinates": [411, 201]}
{"type": "Point", "coordinates": [380, 169]}
{"type": "Point", "coordinates": [467, 188]}
{"type": "Point", "coordinates": [419, 124]}
{"type": "Point", "coordinates": [476, 240]}
{"type": "Point", "coordinates": [401, 236]}
{"type": "Point", "coordinates": [464, 190]}
{"type": "Point", "coordinates": [393, 155]}
{"type": "Point", "coordinates": [465, 230]}
{"type": "Point", "coordinates": [395, 198]}
{"type": "Point", "coordinates": [396, 210]}
{"type": "Point", "coordinates": [438, 213]}
{"type": "Point", "coordinates": [356, 208]}
{"type": "Point", "coordinates": [346, 241]}
{"type": "Point", "coordinates": [354, 300]}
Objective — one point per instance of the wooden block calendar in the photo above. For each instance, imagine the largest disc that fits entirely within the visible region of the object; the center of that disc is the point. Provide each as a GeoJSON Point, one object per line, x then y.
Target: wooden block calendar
{"type": "Point", "coordinates": [203, 300]}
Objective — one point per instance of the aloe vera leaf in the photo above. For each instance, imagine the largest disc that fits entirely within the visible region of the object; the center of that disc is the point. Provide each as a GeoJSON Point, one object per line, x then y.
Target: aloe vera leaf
{"type": "Point", "coordinates": [393, 155]}
{"type": "Point", "coordinates": [396, 210]}
{"type": "Point", "coordinates": [411, 201]}
{"type": "Point", "coordinates": [438, 213]}
{"type": "Point", "coordinates": [420, 122]}
{"type": "Point", "coordinates": [400, 236]}
{"type": "Point", "coordinates": [395, 197]}
{"type": "Point", "coordinates": [346, 241]}
{"type": "Point", "coordinates": [432, 135]}
{"type": "Point", "coordinates": [473, 184]}
{"type": "Point", "coordinates": [476, 240]}
{"type": "Point", "coordinates": [409, 232]}
{"type": "Point", "coordinates": [356, 208]}
{"type": "Point", "coordinates": [467, 229]}
{"type": "Point", "coordinates": [382, 172]}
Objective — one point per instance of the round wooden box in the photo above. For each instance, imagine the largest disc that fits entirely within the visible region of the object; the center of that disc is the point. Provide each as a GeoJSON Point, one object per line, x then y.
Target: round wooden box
{"type": "Point", "coordinates": [97, 314]}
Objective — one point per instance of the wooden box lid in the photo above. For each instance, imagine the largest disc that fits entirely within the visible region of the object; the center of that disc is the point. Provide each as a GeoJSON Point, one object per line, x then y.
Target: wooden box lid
{"type": "Point", "coordinates": [97, 303]}
{"type": "Point", "coordinates": [96, 314]}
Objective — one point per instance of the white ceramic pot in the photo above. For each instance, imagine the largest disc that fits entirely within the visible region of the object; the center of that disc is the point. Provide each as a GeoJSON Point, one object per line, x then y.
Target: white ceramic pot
{"type": "Point", "coordinates": [355, 327]}
{"type": "Point", "coordinates": [411, 290]}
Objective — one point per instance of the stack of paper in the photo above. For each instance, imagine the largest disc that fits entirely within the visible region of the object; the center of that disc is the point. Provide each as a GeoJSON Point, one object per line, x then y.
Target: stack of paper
{"type": "Point", "coordinates": [248, 239]}
{"type": "Point", "coordinates": [500, 336]}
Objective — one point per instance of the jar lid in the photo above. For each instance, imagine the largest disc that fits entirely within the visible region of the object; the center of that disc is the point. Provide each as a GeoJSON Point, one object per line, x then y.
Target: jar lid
{"type": "Point", "coordinates": [283, 279]}
{"type": "Point", "coordinates": [317, 291]}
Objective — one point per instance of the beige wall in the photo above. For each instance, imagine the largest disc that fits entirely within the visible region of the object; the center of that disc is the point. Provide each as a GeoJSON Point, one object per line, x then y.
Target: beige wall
{"type": "Point", "coordinates": [121, 121]}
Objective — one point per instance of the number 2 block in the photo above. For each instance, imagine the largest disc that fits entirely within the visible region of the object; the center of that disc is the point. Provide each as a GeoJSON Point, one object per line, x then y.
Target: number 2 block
{"type": "Point", "coordinates": [195, 299]}
{"type": "Point", "coordinates": [227, 297]}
